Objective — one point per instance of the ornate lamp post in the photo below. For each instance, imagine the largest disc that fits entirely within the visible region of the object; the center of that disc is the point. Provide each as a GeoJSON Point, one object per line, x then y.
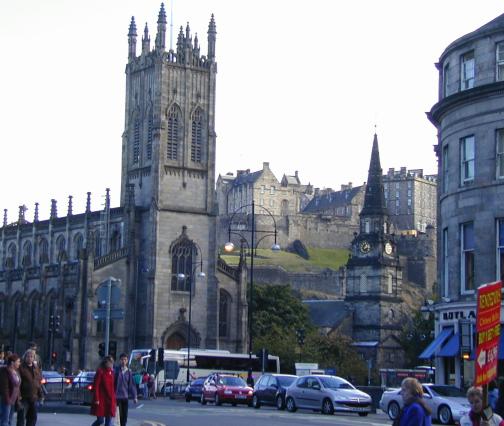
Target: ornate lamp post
{"type": "Point", "coordinates": [192, 275]}
{"type": "Point", "coordinates": [242, 230]}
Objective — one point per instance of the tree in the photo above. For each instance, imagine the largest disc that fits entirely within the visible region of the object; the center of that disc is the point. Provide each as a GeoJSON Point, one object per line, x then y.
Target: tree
{"type": "Point", "coordinates": [415, 337]}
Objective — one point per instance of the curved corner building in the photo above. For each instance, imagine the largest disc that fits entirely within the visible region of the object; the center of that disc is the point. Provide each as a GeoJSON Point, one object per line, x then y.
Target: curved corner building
{"type": "Point", "coordinates": [469, 117]}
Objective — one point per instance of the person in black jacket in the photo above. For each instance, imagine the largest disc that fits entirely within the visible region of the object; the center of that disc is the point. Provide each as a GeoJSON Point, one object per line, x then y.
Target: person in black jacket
{"type": "Point", "coordinates": [499, 406]}
{"type": "Point", "coordinates": [31, 390]}
{"type": "Point", "coordinates": [125, 387]}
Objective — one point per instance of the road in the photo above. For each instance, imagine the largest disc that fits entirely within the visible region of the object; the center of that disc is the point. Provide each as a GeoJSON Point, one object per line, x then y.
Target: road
{"type": "Point", "coordinates": [179, 413]}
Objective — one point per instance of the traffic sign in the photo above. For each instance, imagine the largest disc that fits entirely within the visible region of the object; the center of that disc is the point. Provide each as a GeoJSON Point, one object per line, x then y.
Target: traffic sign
{"type": "Point", "coordinates": [101, 314]}
{"type": "Point", "coordinates": [488, 328]}
{"type": "Point", "coordinates": [115, 293]}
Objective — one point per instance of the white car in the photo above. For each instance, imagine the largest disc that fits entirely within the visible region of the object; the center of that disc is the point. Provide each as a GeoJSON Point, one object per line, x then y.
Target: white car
{"type": "Point", "coordinates": [447, 403]}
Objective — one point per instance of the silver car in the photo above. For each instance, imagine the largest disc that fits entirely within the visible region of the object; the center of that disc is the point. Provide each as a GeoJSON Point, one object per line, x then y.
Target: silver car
{"type": "Point", "coordinates": [327, 394]}
{"type": "Point", "coordinates": [447, 403]}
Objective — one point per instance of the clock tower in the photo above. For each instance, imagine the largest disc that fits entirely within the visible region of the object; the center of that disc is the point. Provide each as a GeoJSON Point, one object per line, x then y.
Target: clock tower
{"type": "Point", "coordinates": [374, 276]}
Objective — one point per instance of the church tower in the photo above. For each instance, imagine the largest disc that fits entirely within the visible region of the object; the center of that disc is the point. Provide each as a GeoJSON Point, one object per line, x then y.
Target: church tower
{"type": "Point", "coordinates": [374, 276]}
{"type": "Point", "coordinates": [168, 169]}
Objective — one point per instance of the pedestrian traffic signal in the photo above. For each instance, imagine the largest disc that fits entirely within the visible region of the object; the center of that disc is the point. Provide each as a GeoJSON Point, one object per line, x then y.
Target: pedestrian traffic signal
{"type": "Point", "coordinates": [101, 349]}
{"type": "Point", "coordinates": [160, 357]}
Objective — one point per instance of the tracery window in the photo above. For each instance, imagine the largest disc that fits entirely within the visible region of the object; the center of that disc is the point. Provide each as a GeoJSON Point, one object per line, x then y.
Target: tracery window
{"type": "Point", "coordinates": [27, 254]}
{"type": "Point", "coordinates": [44, 251]}
{"type": "Point", "coordinates": [173, 133]}
{"type": "Point", "coordinates": [197, 136]}
{"type": "Point", "coordinates": [224, 313]}
{"type": "Point", "coordinates": [78, 244]}
{"type": "Point", "coordinates": [61, 247]}
{"type": "Point", "coordinates": [136, 141]}
{"type": "Point", "coordinates": [10, 261]}
{"type": "Point", "coordinates": [183, 255]}
{"type": "Point", "coordinates": [150, 125]}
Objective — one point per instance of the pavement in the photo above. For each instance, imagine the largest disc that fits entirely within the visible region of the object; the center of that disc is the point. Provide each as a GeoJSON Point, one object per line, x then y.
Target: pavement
{"type": "Point", "coordinates": [62, 419]}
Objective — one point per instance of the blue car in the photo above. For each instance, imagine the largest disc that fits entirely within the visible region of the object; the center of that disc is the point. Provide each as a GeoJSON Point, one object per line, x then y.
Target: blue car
{"type": "Point", "coordinates": [194, 389]}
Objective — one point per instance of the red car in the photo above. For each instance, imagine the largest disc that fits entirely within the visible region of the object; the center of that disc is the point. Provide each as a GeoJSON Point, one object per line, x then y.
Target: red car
{"type": "Point", "coordinates": [221, 388]}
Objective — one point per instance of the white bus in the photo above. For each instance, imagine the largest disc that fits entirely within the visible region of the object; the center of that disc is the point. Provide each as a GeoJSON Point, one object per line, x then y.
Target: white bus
{"type": "Point", "coordinates": [202, 363]}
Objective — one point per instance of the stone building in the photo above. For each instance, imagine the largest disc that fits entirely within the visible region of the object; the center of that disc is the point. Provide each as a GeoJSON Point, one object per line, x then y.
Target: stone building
{"type": "Point", "coordinates": [156, 242]}
{"type": "Point", "coordinates": [469, 118]}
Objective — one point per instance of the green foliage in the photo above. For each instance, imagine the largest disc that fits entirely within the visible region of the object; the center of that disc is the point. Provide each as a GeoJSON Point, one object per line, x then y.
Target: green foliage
{"type": "Point", "coordinates": [415, 337]}
{"type": "Point", "coordinates": [328, 258]}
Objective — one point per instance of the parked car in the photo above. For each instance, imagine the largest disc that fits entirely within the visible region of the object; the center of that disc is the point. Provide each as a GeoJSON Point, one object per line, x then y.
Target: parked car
{"type": "Point", "coordinates": [80, 391]}
{"type": "Point", "coordinates": [270, 390]}
{"type": "Point", "coordinates": [447, 403]}
{"type": "Point", "coordinates": [326, 394]}
{"type": "Point", "coordinates": [221, 388]}
{"type": "Point", "coordinates": [194, 389]}
{"type": "Point", "coordinates": [53, 383]}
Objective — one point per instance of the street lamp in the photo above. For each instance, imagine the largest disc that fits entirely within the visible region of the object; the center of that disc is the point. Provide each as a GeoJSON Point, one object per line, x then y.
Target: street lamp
{"type": "Point", "coordinates": [241, 231]}
{"type": "Point", "coordinates": [183, 277]}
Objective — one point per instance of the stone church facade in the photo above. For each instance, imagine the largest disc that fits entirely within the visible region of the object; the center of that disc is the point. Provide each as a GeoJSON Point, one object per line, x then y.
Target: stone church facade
{"type": "Point", "coordinates": [164, 228]}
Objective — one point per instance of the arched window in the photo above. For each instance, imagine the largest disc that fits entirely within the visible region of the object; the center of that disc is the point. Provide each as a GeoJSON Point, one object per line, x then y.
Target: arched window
{"type": "Point", "coordinates": [173, 133]}
{"type": "Point", "coordinates": [115, 240]}
{"type": "Point", "coordinates": [224, 313]}
{"type": "Point", "coordinates": [78, 244]}
{"type": "Point", "coordinates": [34, 315]}
{"type": "Point", "coordinates": [136, 140]}
{"type": "Point", "coordinates": [183, 255]}
{"type": "Point", "coordinates": [150, 128]}
{"type": "Point", "coordinates": [97, 243]}
{"type": "Point", "coordinates": [61, 248]}
{"type": "Point", "coordinates": [44, 251]}
{"type": "Point", "coordinates": [10, 261]}
{"type": "Point", "coordinates": [197, 136]}
{"type": "Point", "coordinates": [27, 254]}
{"type": "Point", "coordinates": [390, 287]}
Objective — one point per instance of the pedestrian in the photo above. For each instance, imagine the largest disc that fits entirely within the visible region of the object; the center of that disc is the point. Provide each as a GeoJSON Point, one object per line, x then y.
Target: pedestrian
{"type": "Point", "coordinates": [38, 361]}
{"type": "Point", "coordinates": [250, 378]}
{"type": "Point", "coordinates": [477, 416]}
{"type": "Point", "coordinates": [104, 399]}
{"type": "Point", "coordinates": [125, 388]}
{"type": "Point", "coordinates": [10, 382]}
{"type": "Point", "coordinates": [493, 394]}
{"type": "Point", "coordinates": [144, 385]}
{"type": "Point", "coordinates": [151, 386]}
{"type": "Point", "coordinates": [2, 358]}
{"type": "Point", "coordinates": [415, 411]}
{"type": "Point", "coordinates": [30, 391]}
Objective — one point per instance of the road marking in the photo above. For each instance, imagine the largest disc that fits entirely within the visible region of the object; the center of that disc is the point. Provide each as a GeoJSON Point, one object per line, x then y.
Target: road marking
{"type": "Point", "coordinates": [151, 423]}
{"type": "Point", "coordinates": [139, 406]}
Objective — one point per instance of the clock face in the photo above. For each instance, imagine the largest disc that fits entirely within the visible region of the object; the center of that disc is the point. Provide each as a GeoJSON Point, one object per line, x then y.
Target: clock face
{"type": "Point", "coordinates": [364, 246]}
{"type": "Point", "coordinates": [388, 248]}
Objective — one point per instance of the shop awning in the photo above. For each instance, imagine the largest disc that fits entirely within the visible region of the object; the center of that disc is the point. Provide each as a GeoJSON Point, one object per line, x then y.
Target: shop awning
{"type": "Point", "coordinates": [452, 347]}
{"type": "Point", "coordinates": [436, 343]}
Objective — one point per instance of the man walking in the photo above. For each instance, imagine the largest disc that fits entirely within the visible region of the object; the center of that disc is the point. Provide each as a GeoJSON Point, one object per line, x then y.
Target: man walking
{"type": "Point", "coordinates": [124, 387]}
{"type": "Point", "coordinates": [30, 391]}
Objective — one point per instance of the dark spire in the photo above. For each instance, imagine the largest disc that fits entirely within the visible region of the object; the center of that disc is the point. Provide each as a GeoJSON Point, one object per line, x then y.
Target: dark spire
{"type": "Point", "coordinates": [196, 41]}
{"type": "Point", "coordinates": [5, 217]}
{"type": "Point", "coordinates": [212, 33]}
{"type": "Point", "coordinates": [69, 212]}
{"type": "Point", "coordinates": [88, 203]}
{"type": "Point", "coordinates": [36, 214]}
{"type": "Point", "coordinates": [21, 217]}
{"type": "Point", "coordinates": [54, 209]}
{"type": "Point", "coordinates": [107, 198]}
{"type": "Point", "coordinates": [132, 36]}
{"type": "Point", "coordinates": [161, 29]}
{"type": "Point", "coordinates": [146, 40]}
{"type": "Point", "coordinates": [374, 200]}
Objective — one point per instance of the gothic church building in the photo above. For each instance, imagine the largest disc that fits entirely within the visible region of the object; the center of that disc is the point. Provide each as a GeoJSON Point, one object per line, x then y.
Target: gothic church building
{"type": "Point", "coordinates": [160, 242]}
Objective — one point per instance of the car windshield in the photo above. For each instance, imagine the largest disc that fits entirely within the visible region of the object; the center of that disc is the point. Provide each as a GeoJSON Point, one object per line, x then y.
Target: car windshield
{"type": "Point", "coordinates": [285, 381]}
{"type": "Point", "coordinates": [233, 381]}
{"type": "Point", "coordinates": [450, 391]}
{"type": "Point", "coordinates": [197, 382]}
{"type": "Point", "coordinates": [335, 383]}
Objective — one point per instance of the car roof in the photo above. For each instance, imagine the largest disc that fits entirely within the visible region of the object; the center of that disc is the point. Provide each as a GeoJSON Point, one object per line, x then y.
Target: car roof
{"type": "Point", "coordinates": [280, 375]}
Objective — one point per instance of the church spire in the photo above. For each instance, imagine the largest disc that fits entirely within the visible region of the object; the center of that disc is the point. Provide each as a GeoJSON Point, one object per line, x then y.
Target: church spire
{"type": "Point", "coordinates": [146, 40]}
{"type": "Point", "coordinates": [374, 199]}
{"type": "Point", "coordinates": [212, 33]}
{"type": "Point", "coordinates": [161, 29]}
{"type": "Point", "coordinates": [132, 37]}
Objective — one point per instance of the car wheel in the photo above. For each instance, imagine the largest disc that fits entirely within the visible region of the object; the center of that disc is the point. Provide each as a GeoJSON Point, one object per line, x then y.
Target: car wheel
{"type": "Point", "coordinates": [290, 404]}
{"type": "Point", "coordinates": [393, 410]}
{"type": "Point", "coordinates": [280, 404]}
{"type": "Point", "coordinates": [327, 406]}
{"type": "Point", "coordinates": [203, 400]}
{"type": "Point", "coordinates": [217, 399]}
{"type": "Point", "coordinates": [363, 414]}
{"type": "Point", "coordinates": [255, 402]}
{"type": "Point", "coordinates": [445, 415]}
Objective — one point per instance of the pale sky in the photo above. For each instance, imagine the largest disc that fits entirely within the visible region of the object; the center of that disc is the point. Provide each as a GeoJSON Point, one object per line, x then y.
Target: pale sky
{"type": "Point", "coordinates": [300, 84]}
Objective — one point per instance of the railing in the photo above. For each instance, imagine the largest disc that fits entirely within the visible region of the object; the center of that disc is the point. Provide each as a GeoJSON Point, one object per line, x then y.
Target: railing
{"type": "Point", "coordinates": [102, 261]}
{"type": "Point", "coordinates": [226, 269]}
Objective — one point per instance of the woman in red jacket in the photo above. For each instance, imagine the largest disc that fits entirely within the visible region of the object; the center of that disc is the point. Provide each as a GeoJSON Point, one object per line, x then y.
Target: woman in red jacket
{"type": "Point", "coordinates": [104, 401]}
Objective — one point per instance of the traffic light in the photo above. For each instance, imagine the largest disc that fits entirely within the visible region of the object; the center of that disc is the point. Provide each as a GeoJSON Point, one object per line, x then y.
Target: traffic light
{"type": "Point", "coordinates": [54, 357]}
{"type": "Point", "coordinates": [112, 349]}
{"type": "Point", "coordinates": [262, 356]}
{"type": "Point", "coordinates": [160, 357]}
{"type": "Point", "coordinates": [300, 335]}
{"type": "Point", "coordinates": [101, 349]}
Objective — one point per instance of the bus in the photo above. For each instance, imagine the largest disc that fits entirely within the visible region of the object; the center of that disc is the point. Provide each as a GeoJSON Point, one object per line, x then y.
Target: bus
{"type": "Point", "coordinates": [392, 377]}
{"type": "Point", "coordinates": [202, 362]}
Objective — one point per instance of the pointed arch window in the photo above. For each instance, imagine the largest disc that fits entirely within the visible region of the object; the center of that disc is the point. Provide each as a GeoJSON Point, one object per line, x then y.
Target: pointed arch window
{"type": "Point", "coordinates": [44, 251]}
{"type": "Point", "coordinates": [27, 254]}
{"type": "Point", "coordinates": [197, 136]}
{"type": "Point", "coordinates": [10, 261]}
{"type": "Point", "coordinates": [61, 247]}
{"type": "Point", "coordinates": [224, 313]}
{"type": "Point", "coordinates": [34, 315]}
{"type": "Point", "coordinates": [150, 130]}
{"type": "Point", "coordinates": [183, 255]}
{"type": "Point", "coordinates": [173, 133]}
{"type": "Point", "coordinates": [78, 244]}
{"type": "Point", "coordinates": [136, 140]}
